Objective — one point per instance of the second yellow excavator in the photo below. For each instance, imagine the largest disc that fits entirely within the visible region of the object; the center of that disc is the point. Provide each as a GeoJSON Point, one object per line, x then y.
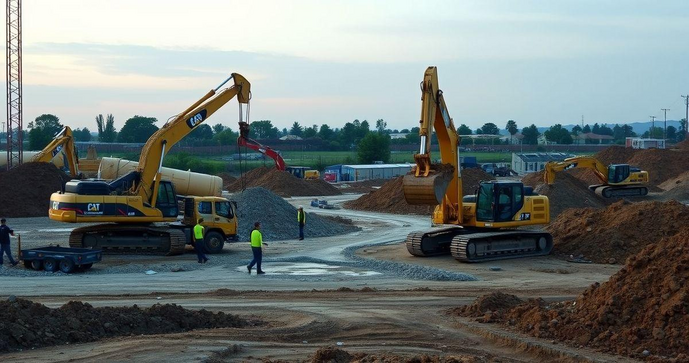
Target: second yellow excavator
{"type": "Point", "coordinates": [474, 228]}
{"type": "Point", "coordinates": [617, 180]}
{"type": "Point", "coordinates": [63, 143]}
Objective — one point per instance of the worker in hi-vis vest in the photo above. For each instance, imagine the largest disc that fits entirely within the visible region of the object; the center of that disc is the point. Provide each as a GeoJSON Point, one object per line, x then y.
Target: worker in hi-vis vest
{"type": "Point", "coordinates": [301, 218]}
{"type": "Point", "coordinates": [257, 249]}
{"type": "Point", "coordinates": [198, 242]}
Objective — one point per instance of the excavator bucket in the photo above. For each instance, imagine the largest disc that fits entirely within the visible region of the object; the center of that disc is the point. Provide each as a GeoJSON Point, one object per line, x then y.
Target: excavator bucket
{"type": "Point", "coordinates": [427, 190]}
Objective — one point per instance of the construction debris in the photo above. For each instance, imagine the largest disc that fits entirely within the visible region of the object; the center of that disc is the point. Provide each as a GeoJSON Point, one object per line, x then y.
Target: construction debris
{"type": "Point", "coordinates": [25, 324]}
{"type": "Point", "coordinates": [618, 231]}
{"type": "Point", "coordinates": [390, 197]}
{"type": "Point", "coordinates": [282, 183]}
{"type": "Point", "coordinates": [25, 190]}
{"type": "Point", "coordinates": [279, 218]}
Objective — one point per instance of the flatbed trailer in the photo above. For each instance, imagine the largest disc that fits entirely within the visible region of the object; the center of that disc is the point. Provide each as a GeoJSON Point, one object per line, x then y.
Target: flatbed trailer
{"type": "Point", "coordinates": [55, 258]}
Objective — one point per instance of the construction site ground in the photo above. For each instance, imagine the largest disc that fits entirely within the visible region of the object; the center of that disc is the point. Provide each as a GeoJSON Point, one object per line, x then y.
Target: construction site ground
{"type": "Point", "coordinates": [360, 292]}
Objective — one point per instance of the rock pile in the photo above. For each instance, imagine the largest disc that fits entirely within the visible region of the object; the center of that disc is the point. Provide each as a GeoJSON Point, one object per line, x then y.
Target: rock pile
{"type": "Point", "coordinates": [390, 197]}
{"type": "Point", "coordinates": [25, 324]}
{"type": "Point", "coordinates": [25, 190]}
{"type": "Point", "coordinates": [641, 312]}
{"type": "Point", "coordinates": [279, 218]}
{"type": "Point", "coordinates": [282, 183]}
{"type": "Point", "coordinates": [610, 235]}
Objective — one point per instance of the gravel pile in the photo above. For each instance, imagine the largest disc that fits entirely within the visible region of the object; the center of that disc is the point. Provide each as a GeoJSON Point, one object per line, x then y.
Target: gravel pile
{"type": "Point", "coordinates": [279, 218]}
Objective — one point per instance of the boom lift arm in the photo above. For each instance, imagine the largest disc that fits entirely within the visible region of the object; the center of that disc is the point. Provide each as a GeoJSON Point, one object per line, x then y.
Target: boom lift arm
{"type": "Point", "coordinates": [244, 140]}
{"type": "Point", "coordinates": [62, 142]}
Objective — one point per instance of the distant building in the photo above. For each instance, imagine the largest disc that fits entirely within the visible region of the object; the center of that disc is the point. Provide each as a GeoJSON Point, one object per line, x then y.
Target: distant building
{"type": "Point", "coordinates": [367, 171]}
{"type": "Point", "coordinates": [638, 143]}
{"type": "Point", "coordinates": [398, 135]}
{"type": "Point", "coordinates": [291, 137]}
{"type": "Point", "coordinates": [591, 138]}
{"type": "Point", "coordinates": [515, 139]}
{"type": "Point", "coordinates": [524, 163]}
{"type": "Point", "coordinates": [542, 140]}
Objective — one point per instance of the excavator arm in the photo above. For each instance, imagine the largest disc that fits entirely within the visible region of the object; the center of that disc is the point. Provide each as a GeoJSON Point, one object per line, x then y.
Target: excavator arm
{"type": "Point", "coordinates": [157, 146]}
{"type": "Point", "coordinates": [432, 184]}
{"type": "Point", "coordinates": [553, 167]}
{"type": "Point", "coordinates": [244, 140]}
{"type": "Point", "coordinates": [62, 142]}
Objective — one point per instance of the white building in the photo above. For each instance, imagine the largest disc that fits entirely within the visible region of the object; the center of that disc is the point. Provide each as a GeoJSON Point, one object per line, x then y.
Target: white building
{"type": "Point", "coordinates": [524, 163]}
{"type": "Point", "coordinates": [638, 143]}
{"type": "Point", "coordinates": [373, 171]}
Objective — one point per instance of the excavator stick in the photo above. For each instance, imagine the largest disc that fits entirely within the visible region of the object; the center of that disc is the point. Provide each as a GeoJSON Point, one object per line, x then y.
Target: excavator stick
{"type": "Point", "coordinates": [427, 190]}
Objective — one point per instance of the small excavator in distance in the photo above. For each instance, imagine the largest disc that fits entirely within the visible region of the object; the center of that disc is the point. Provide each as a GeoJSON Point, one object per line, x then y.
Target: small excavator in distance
{"type": "Point", "coordinates": [62, 142]}
{"type": "Point", "coordinates": [617, 180]}
{"type": "Point", "coordinates": [473, 228]}
{"type": "Point", "coordinates": [140, 209]}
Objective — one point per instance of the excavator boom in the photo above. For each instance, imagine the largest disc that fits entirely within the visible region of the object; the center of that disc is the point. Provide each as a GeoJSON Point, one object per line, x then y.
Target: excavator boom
{"type": "Point", "coordinates": [62, 142]}
{"type": "Point", "coordinates": [244, 140]}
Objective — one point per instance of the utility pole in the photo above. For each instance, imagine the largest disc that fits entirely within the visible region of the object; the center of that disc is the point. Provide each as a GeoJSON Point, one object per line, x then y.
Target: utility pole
{"type": "Point", "coordinates": [686, 116]}
{"type": "Point", "coordinates": [653, 124]}
{"type": "Point", "coordinates": [665, 110]}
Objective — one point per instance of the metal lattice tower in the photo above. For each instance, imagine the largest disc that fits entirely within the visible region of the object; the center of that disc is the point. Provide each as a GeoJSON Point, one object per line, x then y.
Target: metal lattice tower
{"type": "Point", "coordinates": [13, 33]}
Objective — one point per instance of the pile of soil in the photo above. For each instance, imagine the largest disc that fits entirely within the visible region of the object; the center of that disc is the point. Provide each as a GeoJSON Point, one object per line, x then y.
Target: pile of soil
{"type": "Point", "coordinates": [642, 311]}
{"type": "Point", "coordinates": [683, 145]}
{"type": "Point", "coordinates": [227, 180]}
{"type": "Point", "coordinates": [337, 355]}
{"type": "Point", "coordinates": [390, 197]}
{"type": "Point", "coordinates": [488, 308]}
{"type": "Point", "coordinates": [615, 155]}
{"type": "Point", "coordinates": [282, 183]}
{"type": "Point", "coordinates": [25, 324]}
{"type": "Point", "coordinates": [661, 164]}
{"type": "Point", "coordinates": [566, 192]}
{"type": "Point", "coordinates": [279, 218]}
{"type": "Point", "coordinates": [25, 190]}
{"type": "Point", "coordinates": [612, 234]}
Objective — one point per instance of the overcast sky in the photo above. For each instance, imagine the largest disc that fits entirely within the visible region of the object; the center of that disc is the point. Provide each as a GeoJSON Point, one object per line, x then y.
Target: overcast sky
{"type": "Point", "coordinates": [315, 62]}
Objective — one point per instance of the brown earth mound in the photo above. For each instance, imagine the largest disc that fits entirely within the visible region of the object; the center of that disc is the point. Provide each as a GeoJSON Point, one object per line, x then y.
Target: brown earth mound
{"type": "Point", "coordinates": [227, 179]}
{"type": "Point", "coordinates": [643, 310]}
{"type": "Point", "coordinates": [566, 192]}
{"type": "Point", "coordinates": [488, 307]}
{"type": "Point", "coordinates": [615, 155]}
{"type": "Point", "coordinates": [337, 355]}
{"type": "Point", "coordinates": [25, 190]}
{"type": "Point", "coordinates": [390, 197]}
{"type": "Point", "coordinates": [683, 145]}
{"type": "Point", "coordinates": [282, 183]}
{"type": "Point", "coordinates": [612, 234]}
{"type": "Point", "coordinates": [25, 324]}
{"type": "Point", "coordinates": [661, 164]}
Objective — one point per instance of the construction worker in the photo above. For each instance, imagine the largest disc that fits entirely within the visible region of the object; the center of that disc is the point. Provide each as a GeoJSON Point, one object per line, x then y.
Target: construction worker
{"type": "Point", "coordinates": [198, 242]}
{"type": "Point", "coordinates": [257, 249]}
{"type": "Point", "coordinates": [5, 233]}
{"type": "Point", "coordinates": [301, 218]}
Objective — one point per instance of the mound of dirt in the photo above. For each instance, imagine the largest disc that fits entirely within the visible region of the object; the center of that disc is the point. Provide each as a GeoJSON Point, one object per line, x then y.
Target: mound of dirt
{"type": "Point", "coordinates": [683, 145]}
{"type": "Point", "coordinates": [488, 307]}
{"type": "Point", "coordinates": [612, 234]}
{"type": "Point", "coordinates": [279, 218]}
{"type": "Point", "coordinates": [25, 324]}
{"type": "Point", "coordinates": [643, 307]}
{"type": "Point", "coordinates": [25, 190]}
{"type": "Point", "coordinates": [615, 155]}
{"type": "Point", "coordinates": [337, 355]}
{"type": "Point", "coordinates": [566, 192]}
{"type": "Point", "coordinates": [661, 164]}
{"type": "Point", "coordinates": [282, 183]}
{"type": "Point", "coordinates": [227, 180]}
{"type": "Point", "coordinates": [390, 197]}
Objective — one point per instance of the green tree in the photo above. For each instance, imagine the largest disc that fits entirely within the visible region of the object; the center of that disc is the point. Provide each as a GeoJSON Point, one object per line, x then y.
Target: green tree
{"type": "Point", "coordinates": [681, 135]}
{"type": "Point", "coordinates": [381, 125]}
{"type": "Point", "coordinates": [464, 130]}
{"type": "Point", "coordinates": [374, 147]}
{"type": "Point", "coordinates": [201, 132]}
{"type": "Point", "coordinates": [106, 128]}
{"type": "Point", "coordinates": [657, 133]}
{"type": "Point", "coordinates": [297, 129]}
{"type": "Point", "coordinates": [558, 135]}
{"type": "Point", "coordinates": [226, 137]}
{"type": "Point", "coordinates": [137, 129]}
{"type": "Point", "coordinates": [586, 129]}
{"type": "Point", "coordinates": [671, 133]}
{"type": "Point", "coordinates": [490, 129]}
{"type": "Point", "coordinates": [325, 132]}
{"type": "Point", "coordinates": [218, 128]}
{"type": "Point", "coordinates": [43, 130]}
{"type": "Point", "coordinates": [82, 134]}
{"type": "Point", "coordinates": [531, 134]}
{"type": "Point", "coordinates": [263, 129]}
{"type": "Point", "coordinates": [512, 128]}
{"type": "Point", "coordinates": [311, 132]}
{"type": "Point", "coordinates": [576, 130]}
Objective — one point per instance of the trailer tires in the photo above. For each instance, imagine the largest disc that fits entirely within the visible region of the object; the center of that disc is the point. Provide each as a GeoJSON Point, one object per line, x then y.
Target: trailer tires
{"type": "Point", "coordinates": [214, 242]}
{"type": "Point", "coordinates": [27, 264]}
{"type": "Point", "coordinates": [86, 266]}
{"type": "Point", "coordinates": [50, 265]}
{"type": "Point", "coordinates": [66, 265]}
{"type": "Point", "coordinates": [36, 264]}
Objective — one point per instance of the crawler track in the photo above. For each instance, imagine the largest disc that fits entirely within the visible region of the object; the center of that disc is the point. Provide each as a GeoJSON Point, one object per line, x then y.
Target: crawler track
{"type": "Point", "coordinates": [129, 239]}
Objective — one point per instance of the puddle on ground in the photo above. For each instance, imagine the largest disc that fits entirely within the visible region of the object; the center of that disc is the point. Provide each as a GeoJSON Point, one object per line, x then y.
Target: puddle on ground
{"type": "Point", "coordinates": [310, 269]}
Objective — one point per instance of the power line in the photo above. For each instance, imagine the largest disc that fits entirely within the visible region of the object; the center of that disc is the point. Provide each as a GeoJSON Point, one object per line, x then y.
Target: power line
{"type": "Point", "coordinates": [665, 110]}
{"type": "Point", "coordinates": [653, 126]}
{"type": "Point", "coordinates": [686, 117]}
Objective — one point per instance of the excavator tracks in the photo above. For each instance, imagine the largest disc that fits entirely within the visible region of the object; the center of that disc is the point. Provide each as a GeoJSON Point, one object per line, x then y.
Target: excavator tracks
{"type": "Point", "coordinates": [500, 245]}
{"type": "Point", "coordinates": [129, 239]}
{"type": "Point", "coordinates": [606, 191]}
{"type": "Point", "coordinates": [432, 243]}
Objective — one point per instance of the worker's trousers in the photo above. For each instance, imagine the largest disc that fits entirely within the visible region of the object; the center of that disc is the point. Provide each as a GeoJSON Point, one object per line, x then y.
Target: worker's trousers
{"type": "Point", "coordinates": [258, 256]}
{"type": "Point", "coordinates": [200, 251]}
{"type": "Point", "coordinates": [301, 231]}
{"type": "Point", "coordinates": [6, 250]}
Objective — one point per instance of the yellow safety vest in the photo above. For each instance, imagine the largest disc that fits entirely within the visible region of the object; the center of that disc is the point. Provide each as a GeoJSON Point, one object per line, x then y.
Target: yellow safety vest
{"type": "Point", "coordinates": [256, 238]}
{"type": "Point", "coordinates": [301, 216]}
{"type": "Point", "coordinates": [198, 232]}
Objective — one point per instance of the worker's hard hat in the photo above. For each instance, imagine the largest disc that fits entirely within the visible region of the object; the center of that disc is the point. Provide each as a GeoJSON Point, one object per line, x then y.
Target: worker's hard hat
{"type": "Point", "coordinates": [301, 207]}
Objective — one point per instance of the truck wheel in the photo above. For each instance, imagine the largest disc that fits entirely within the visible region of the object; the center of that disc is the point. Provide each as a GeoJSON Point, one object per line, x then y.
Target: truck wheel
{"type": "Point", "coordinates": [66, 265]}
{"type": "Point", "coordinates": [50, 265]}
{"type": "Point", "coordinates": [214, 242]}
{"type": "Point", "coordinates": [36, 264]}
{"type": "Point", "coordinates": [27, 264]}
{"type": "Point", "coordinates": [86, 266]}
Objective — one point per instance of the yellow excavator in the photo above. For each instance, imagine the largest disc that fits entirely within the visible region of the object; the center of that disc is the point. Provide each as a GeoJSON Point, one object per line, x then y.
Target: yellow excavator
{"type": "Point", "coordinates": [473, 228]}
{"type": "Point", "coordinates": [617, 180]}
{"type": "Point", "coordinates": [140, 208]}
{"type": "Point", "coordinates": [63, 143]}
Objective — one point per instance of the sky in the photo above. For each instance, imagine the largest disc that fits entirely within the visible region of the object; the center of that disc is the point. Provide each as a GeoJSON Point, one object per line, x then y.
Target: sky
{"type": "Point", "coordinates": [317, 62]}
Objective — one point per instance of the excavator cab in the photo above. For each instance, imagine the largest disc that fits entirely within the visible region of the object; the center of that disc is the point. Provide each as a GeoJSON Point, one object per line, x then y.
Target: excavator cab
{"type": "Point", "coordinates": [617, 173]}
{"type": "Point", "coordinates": [499, 201]}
